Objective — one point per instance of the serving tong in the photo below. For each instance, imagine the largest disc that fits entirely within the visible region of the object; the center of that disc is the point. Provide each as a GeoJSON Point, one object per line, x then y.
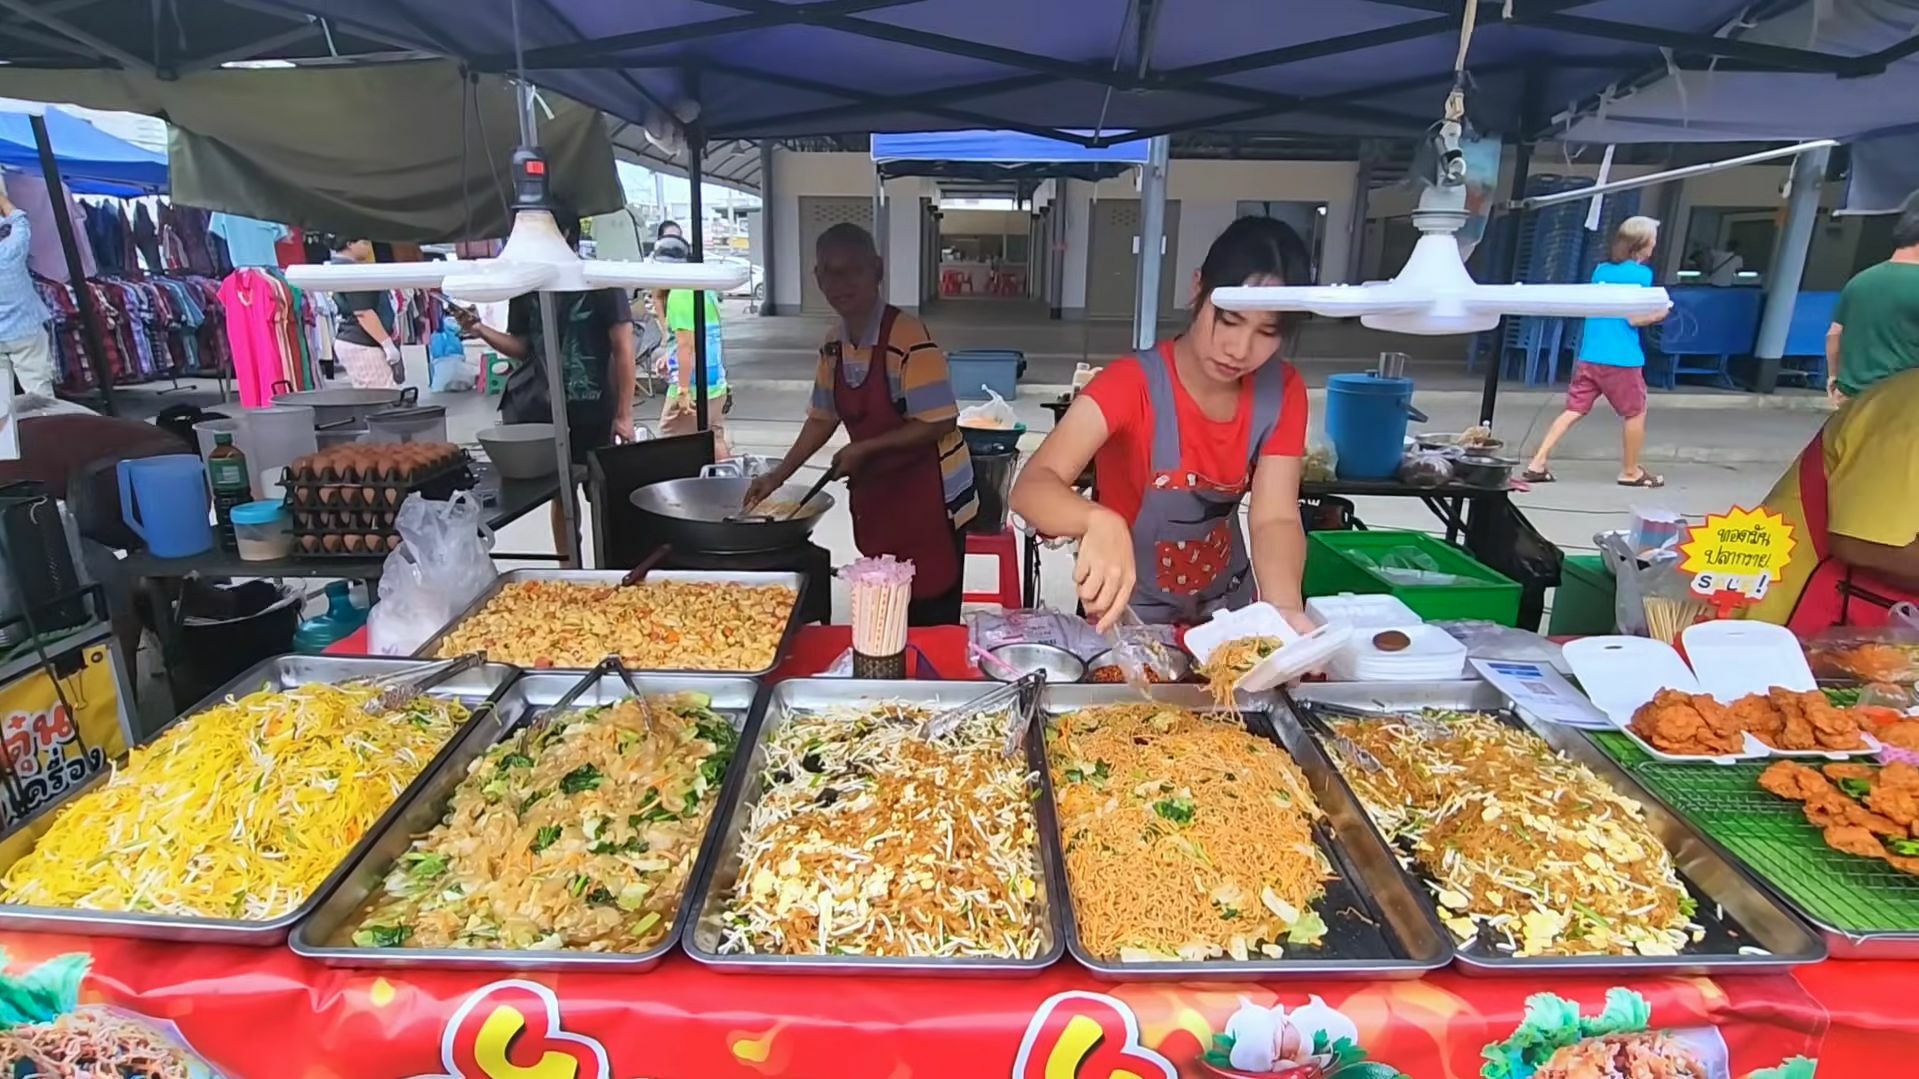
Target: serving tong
{"type": "Point", "coordinates": [1023, 694]}
{"type": "Point", "coordinates": [402, 687]}
{"type": "Point", "coordinates": [609, 665]}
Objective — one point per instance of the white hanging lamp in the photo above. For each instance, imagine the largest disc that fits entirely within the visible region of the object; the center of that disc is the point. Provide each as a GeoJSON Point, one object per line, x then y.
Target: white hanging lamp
{"type": "Point", "coordinates": [1435, 294]}
{"type": "Point", "coordinates": [536, 258]}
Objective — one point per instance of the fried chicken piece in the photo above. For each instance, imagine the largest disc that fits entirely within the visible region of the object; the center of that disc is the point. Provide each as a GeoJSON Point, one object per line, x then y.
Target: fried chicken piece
{"type": "Point", "coordinates": [1906, 865]}
{"type": "Point", "coordinates": [1833, 728]}
{"type": "Point", "coordinates": [1837, 810]}
{"type": "Point", "coordinates": [1794, 781]}
{"type": "Point", "coordinates": [1876, 662]}
{"type": "Point", "coordinates": [1756, 713]}
{"type": "Point", "coordinates": [1836, 772]}
{"type": "Point", "coordinates": [1686, 725]}
{"type": "Point", "coordinates": [1903, 733]}
{"type": "Point", "coordinates": [1796, 730]}
{"type": "Point", "coordinates": [1849, 839]}
{"type": "Point", "coordinates": [1895, 793]}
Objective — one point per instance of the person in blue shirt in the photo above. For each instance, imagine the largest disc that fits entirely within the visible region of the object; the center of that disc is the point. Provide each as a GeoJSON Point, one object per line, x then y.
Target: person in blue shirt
{"type": "Point", "coordinates": [25, 351]}
{"type": "Point", "coordinates": [1611, 362]}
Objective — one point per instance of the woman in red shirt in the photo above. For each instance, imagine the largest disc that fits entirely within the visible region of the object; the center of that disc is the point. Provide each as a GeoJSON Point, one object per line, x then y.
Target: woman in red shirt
{"type": "Point", "coordinates": [1178, 435]}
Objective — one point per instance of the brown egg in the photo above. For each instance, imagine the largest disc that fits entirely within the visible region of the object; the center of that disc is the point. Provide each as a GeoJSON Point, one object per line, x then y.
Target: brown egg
{"type": "Point", "coordinates": [303, 496]}
{"type": "Point", "coordinates": [374, 543]}
{"type": "Point", "coordinates": [330, 543]}
{"type": "Point", "coordinates": [354, 543]}
{"type": "Point", "coordinates": [370, 495]}
{"type": "Point", "coordinates": [329, 495]}
{"type": "Point", "coordinates": [393, 495]}
{"type": "Point", "coordinates": [309, 544]}
{"type": "Point", "coordinates": [393, 543]}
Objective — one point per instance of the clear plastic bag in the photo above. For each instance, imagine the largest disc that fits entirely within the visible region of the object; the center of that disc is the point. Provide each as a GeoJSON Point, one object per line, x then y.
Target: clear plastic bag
{"type": "Point", "coordinates": [1490, 640]}
{"type": "Point", "coordinates": [991, 629]}
{"type": "Point", "coordinates": [441, 567]}
{"type": "Point", "coordinates": [1887, 654]}
{"type": "Point", "coordinates": [994, 414]}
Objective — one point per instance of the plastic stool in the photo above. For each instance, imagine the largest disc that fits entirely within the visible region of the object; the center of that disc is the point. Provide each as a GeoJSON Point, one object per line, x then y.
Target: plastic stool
{"type": "Point", "coordinates": [497, 368]}
{"type": "Point", "coordinates": [1003, 546]}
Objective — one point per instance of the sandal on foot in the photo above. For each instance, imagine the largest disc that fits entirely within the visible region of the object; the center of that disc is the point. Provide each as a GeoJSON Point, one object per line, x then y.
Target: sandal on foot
{"type": "Point", "coordinates": [1541, 476]}
{"type": "Point", "coordinates": [1644, 479]}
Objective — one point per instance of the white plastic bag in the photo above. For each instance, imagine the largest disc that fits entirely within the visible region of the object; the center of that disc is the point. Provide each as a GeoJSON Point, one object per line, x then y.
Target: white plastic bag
{"type": "Point", "coordinates": [440, 568]}
{"type": "Point", "coordinates": [995, 414]}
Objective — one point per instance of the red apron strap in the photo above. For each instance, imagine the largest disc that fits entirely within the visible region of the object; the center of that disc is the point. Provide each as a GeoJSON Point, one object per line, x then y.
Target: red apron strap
{"type": "Point", "coordinates": [1812, 491]}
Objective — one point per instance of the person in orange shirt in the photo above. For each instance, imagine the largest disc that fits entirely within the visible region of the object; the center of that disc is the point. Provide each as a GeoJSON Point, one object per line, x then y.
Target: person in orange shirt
{"type": "Point", "coordinates": [1179, 436]}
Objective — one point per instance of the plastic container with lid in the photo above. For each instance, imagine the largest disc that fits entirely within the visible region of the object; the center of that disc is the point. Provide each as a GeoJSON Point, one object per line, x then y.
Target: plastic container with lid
{"type": "Point", "coordinates": [423, 423]}
{"type": "Point", "coordinates": [263, 531]}
{"type": "Point", "coordinates": [1298, 655]}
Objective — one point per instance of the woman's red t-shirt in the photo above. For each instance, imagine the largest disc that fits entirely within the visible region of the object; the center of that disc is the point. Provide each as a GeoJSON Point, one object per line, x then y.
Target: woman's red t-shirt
{"type": "Point", "coordinates": [1215, 451]}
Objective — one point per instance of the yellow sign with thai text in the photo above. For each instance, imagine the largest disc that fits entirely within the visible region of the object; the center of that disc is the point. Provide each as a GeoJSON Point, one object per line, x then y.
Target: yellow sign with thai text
{"type": "Point", "coordinates": [1734, 557]}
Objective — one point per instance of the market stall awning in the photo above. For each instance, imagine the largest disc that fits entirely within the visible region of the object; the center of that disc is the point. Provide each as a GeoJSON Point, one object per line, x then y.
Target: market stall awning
{"type": "Point", "coordinates": [1001, 155]}
{"type": "Point", "coordinates": [752, 68]}
{"type": "Point", "coordinates": [91, 161]}
{"type": "Point", "coordinates": [1728, 103]}
{"type": "Point", "coordinates": [395, 151]}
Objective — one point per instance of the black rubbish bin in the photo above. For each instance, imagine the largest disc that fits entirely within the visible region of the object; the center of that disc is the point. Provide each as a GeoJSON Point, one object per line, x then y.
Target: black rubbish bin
{"type": "Point", "coordinates": [993, 478]}
{"type": "Point", "coordinates": [219, 644]}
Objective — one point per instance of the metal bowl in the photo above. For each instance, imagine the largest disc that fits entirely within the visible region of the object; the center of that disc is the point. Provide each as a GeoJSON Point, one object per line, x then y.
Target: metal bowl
{"type": "Point", "coordinates": [1180, 664]}
{"type": "Point", "coordinates": [1482, 471]}
{"type": "Point", "coordinates": [520, 451]}
{"type": "Point", "coordinates": [1058, 664]}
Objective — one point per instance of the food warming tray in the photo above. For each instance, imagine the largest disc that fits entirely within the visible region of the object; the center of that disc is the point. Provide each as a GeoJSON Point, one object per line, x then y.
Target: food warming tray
{"type": "Point", "coordinates": [815, 695]}
{"type": "Point", "coordinates": [482, 689]}
{"type": "Point", "coordinates": [1378, 927]}
{"type": "Point", "coordinates": [1747, 916]}
{"type": "Point", "coordinates": [738, 699]}
{"type": "Point", "coordinates": [604, 577]}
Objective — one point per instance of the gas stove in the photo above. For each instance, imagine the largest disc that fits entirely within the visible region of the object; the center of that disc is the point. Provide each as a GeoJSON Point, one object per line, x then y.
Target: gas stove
{"type": "Point", "coordinates": [809, 560]}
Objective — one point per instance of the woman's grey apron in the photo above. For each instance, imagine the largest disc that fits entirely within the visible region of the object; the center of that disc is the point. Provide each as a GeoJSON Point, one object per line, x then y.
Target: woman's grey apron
{"type": "Point", "coordinates": [1187, 543]}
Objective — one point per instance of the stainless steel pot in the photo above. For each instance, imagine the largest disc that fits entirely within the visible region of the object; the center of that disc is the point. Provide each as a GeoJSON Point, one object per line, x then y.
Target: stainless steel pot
{"type": "Point", "coordinates": [693, 515]}
{"type": "Point", "coordinates": [332, 406]}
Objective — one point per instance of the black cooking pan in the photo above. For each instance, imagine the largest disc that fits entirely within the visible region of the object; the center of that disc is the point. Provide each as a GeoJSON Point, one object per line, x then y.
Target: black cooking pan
{"type": "Point", "coordinates": [703, 514]}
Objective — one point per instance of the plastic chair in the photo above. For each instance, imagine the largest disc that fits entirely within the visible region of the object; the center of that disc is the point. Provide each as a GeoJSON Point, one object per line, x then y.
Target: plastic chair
{"type": "Point", "coordinates": [1003, 546]}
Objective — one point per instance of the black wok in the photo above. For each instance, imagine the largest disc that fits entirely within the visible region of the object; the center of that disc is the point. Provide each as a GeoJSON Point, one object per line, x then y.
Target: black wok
{"type": "Point", "coordinates": [703, 514]}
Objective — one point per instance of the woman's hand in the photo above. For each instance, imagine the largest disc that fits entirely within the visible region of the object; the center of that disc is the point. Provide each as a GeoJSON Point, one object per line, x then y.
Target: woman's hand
{"type": "Point", "coordinates": [1297, 618]}
{"type": "Point", "coordinates": [1105, 571]}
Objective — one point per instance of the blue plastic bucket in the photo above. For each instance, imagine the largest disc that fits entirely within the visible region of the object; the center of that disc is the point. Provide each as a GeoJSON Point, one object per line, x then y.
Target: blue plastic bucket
{"type": "Point", "coordinates": [164, 500]}
{"type": "Point", "coordinates": [1366, 421]}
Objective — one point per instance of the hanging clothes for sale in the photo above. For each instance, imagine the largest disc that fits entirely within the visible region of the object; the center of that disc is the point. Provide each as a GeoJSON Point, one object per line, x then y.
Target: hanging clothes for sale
{"type": "Point", "coordinates": [44, 257]}
{"type": "Point", "coordinates": [111, 236]}
{"type": "Point", "coordinates": [249, 242]}
{"type": "Point", "coordinates": [266, 329]}
{"type": "Point", "coordinates": [151, 328]}
{"type": "Point", "coordinates": [146, 238]}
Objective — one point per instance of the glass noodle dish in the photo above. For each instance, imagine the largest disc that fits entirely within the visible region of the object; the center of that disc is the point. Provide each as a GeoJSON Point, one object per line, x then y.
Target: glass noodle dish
{"type": "Point", "coordinates": [579, 833]}
{"type": "Point", "coordinates": [1525, 849]}
{"type": "Point", "coordinates": [1186, 837]}
{"type": "Point", "coordinates": [871, 840]}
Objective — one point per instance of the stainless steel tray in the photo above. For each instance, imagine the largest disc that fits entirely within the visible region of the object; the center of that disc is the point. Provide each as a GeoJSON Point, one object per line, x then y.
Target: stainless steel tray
{"type": "Point", "coordinates": [738, 699]}
{"type": "Point", "coordinates": [1381, 929]}
{"type": "Point", "coordinates": [1745, 905]}
{"type": "Point", "coordinates": [794, 581]}
{"type": "Point", "coordinates": [481, 689]}
{"type": "Point", "coordinates": [812, 694]}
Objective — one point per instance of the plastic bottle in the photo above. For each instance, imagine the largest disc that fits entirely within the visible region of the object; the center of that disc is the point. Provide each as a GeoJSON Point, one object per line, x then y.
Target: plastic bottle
{"type": "Point", "coordinates": [341, 620]}
{"type": "Point", "coordinates": [227, 473]}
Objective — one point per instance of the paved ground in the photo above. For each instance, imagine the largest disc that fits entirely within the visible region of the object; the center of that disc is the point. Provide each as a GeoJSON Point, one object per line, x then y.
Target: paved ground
{"type": "Point", "coordinates": [1716, 449]}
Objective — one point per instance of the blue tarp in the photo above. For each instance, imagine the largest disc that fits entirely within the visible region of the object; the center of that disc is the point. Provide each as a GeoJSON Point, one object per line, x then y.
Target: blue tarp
{"type": "Point", "coordinates": [92, 162]}
{"type": "Point", "coordinates": [1001, 147]}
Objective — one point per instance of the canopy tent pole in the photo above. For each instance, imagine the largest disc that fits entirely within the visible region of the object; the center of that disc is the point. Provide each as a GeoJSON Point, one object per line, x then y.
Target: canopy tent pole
{"type": "Point", "coordinates": [82, 293]}
{"type": "Point", "coordinates": [695, 176]}
{"type": "Point", "coordinates": [1508, 262]}
{"type": "Point", "coordinates": [768, 262]}
{"type": "Point", "coordinates": [1152, 239]}
{"type": "Point", "coordinates": [562, 436]}
{"type": "Point", "coordinates": [1788, 265]}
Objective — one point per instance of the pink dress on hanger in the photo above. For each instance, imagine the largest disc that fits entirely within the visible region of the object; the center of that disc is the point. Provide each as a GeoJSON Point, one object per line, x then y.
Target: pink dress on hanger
{"type": "Point", "coordinates": [253, 308]}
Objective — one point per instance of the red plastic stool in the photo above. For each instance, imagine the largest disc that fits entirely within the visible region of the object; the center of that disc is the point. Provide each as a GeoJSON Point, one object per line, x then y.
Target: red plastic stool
{"type": "Point", "coordinates": [1005, 547]}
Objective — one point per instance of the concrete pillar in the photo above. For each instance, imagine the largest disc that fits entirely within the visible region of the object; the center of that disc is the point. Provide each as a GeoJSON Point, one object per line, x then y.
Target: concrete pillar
{"type": "Point", "coordinates": [902, 232]}
{"type": "Point", "coordinates": [768, 243]}
{"type": "Point", "coordinates": [1076, 230]}
{"type": "Point", "coordinates": [1152, 239]}
{"type": "Point", "coordinates": [1788, 265]}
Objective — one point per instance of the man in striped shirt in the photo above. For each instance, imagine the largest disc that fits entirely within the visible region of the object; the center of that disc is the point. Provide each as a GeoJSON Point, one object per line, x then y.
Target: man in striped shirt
{"type": "Point", "coordinates": [907, 469]}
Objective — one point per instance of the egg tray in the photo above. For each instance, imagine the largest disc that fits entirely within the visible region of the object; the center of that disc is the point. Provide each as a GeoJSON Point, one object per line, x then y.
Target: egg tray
{"type": "Point", "coordinates": [455, 475]}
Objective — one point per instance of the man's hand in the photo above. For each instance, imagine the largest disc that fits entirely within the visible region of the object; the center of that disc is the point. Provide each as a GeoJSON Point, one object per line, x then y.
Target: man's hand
{"type": "Point", "coordinates": [757, 491]}
{"type": "Point", "coordinates": [465, 317]}
{"type": "Point", "coordinates": [1833, 393]}
{"type": "Point", "coordinates": [682, 404]}
{"type": "Point", "coordinates": [851, 458]}
{"type": "Point", "coordinates": [392, 352]}
{"type": "Point", "coordinates": [623, 425]}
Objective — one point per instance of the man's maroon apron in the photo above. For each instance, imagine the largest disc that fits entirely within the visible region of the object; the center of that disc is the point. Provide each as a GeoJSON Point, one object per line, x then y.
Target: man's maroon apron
{"type": "Point", "coordinates": [1836, 594]}
{"type": "Point", "coordinates": [898, 499]}
{"type": "Point", "coordinates": [1187, 544]}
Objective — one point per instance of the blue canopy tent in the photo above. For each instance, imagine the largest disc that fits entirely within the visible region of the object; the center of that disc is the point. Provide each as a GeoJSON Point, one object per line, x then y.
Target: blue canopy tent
{"type": "Point", "coordinates": [1002, 155]}
{"type": "Point", "coordinates": [92, 162]}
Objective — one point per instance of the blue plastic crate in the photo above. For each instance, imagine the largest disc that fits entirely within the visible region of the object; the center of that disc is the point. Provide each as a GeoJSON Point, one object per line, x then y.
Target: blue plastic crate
{"type": "Point", "coordinates": [976, 370]}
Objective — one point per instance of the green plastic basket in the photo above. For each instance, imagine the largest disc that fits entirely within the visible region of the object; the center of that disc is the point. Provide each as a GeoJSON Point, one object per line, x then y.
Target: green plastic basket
{"type": "Point", "coordinates": [1332, 568]}
{"type": "Point", "coordinates": [1772, 838]}
{"type": "Point", "coordinates": [1583, 602]}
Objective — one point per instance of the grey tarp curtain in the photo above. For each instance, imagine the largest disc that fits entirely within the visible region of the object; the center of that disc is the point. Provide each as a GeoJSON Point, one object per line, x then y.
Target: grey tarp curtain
{"type": "Point", "coordinates": [408, 151]}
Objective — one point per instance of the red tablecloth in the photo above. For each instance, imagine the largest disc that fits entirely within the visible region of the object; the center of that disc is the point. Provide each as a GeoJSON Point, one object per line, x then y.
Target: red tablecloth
{"type": "Point", "coordinates": [266, 1012]}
